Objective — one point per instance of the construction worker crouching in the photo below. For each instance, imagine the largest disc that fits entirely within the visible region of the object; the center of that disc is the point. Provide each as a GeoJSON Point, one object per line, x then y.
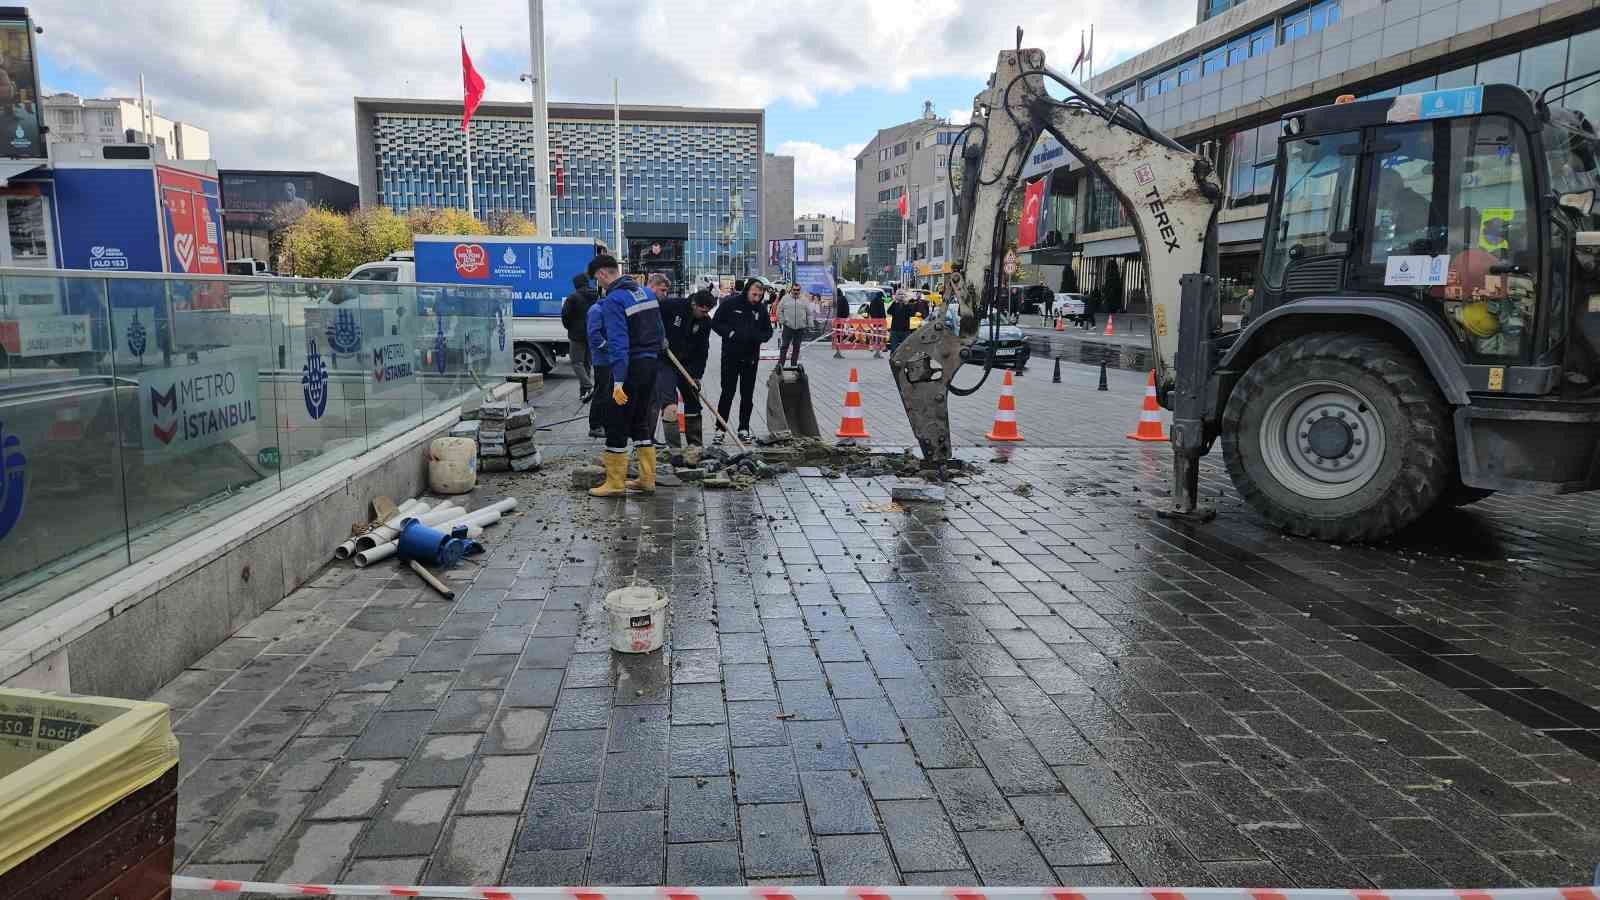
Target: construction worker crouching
{"type": "Point", "coordinates": [629, 340]}
{"type": "Point", "coordinates": [688, 330]}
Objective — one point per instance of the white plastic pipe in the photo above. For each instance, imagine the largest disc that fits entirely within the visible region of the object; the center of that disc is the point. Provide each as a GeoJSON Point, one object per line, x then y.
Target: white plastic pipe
{"type": "Point", "coordinates": [436, 517]}
{"type": "Point", "coordinates": [344, 550]}
{"type": "Point", "coordinates": [483, 515]}
{"type": "Point", "coordinates": [391, 527]}
{"type": "Point", "coordinates": [475, 521]}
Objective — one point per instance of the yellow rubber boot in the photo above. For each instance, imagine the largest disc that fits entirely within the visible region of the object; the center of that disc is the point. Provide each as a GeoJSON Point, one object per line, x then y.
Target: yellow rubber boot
{"type": "Point", "coordinates": [616, 466]}
{"type": "Point", "coordinates": [646, 484]}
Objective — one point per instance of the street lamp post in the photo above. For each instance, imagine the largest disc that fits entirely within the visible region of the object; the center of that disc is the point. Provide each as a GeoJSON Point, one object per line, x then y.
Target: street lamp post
{"type": "Point", "coordinates": [541, 119]}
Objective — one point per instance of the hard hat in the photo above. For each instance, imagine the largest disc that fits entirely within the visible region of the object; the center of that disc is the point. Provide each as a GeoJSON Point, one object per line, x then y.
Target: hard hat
{"type": "Point", "coordinates": [1478, 320]}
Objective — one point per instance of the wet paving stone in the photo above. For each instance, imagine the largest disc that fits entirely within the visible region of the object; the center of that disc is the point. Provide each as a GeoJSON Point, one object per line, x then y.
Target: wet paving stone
{"type": "Point", "coordinates": [892, 772]}
{"type": "Point", "coordinates": [837, 803]}
{"type": "Point", "coordinates": [1007, 858]}
{"type": "Point", "coordinates": [922, 838]}
{"type": "Point", "coordinates": [971, 799]}
{"type": "Point", "coordinates": [776, 841]}
{"type": "Point", "coordinates": [1028, 689]}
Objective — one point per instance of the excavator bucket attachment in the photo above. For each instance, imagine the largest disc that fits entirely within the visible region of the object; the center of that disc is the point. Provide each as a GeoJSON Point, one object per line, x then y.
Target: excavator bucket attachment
{"type": "Point", "coordinates": [789, 409]}
{"type": "Point", "coordinates": [923, 365]}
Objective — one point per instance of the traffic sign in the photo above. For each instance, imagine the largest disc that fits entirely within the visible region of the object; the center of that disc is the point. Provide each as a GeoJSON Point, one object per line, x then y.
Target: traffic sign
{"type": "Point", "coordinates": [1011, 262]}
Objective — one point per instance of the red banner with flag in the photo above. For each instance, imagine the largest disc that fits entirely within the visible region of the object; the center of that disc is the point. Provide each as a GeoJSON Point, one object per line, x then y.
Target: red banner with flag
{"type": "Point", "coordinates": [1032, 208]}
{"type": "Point", "coordinates": [905, 209]}
{"type": "Point", "coordinates": [471, 86]}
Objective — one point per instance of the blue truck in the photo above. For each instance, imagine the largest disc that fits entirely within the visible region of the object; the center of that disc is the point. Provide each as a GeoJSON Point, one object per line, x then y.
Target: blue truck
{"type": "Point", "coordinates": [536, 270]}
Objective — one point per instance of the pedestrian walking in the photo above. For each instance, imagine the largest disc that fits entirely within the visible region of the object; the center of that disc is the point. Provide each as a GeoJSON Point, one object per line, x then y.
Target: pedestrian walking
{"type": "Point", "coordinates": [1091, 305]}
{"type": "Point", "coordinates": [794, 315]}
{"type": "Point", "coordinates": [900, 313]}
{"type": "Point", "coordinates": [743, 323]}
{"type": "Point", "coordinates": [575, 318]}
{"type": "Point", "coordinates": [688, 328]}
{"type": "Point", "coordinates": [631, 339]}
{"type": "Point", "coordinates": [1048, 298]}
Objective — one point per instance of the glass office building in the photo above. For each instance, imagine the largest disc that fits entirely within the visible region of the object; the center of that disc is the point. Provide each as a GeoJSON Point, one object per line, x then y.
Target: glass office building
{"type": "Point", "coordinates": [697, 168]}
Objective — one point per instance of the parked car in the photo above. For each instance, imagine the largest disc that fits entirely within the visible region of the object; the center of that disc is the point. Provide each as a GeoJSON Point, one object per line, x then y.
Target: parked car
{"type": "Point", "coordinates": [1071, 304]}
{"type": "Point", "coordinates": [1010, 348]}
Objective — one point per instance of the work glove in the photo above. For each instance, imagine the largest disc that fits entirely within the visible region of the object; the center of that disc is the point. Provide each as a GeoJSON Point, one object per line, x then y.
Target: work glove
{"type": "Point", "coordinates": [618, 395]}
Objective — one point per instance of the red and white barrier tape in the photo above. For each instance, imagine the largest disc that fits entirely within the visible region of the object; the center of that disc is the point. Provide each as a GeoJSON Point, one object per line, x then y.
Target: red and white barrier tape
{"type": "Point", "coordinates": [186, 883]}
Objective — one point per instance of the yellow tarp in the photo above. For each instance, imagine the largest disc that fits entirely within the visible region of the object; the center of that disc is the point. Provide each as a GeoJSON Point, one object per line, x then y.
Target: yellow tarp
{"type": "Point", "coordinates": [64, 760]}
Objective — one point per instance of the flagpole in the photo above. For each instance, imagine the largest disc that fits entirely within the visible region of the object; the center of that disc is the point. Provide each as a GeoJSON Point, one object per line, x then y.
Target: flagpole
{"type": "Point", "coordinates": [543, 207]}
{"type": "Point", "coordinates": [466, 134]}
{"type": "Point", "coordinates": [1090, 82]}
{"type": "Point", "coordinates": [616, 144]}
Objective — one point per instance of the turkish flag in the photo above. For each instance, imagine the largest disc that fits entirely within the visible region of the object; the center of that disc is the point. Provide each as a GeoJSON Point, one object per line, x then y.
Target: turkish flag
{"type": "Point", "coordinates": [1032, 207]}
{"type": "Point", "coordinates": [905, 210]}
{"type": "Point", "coordinates": [471, 86]}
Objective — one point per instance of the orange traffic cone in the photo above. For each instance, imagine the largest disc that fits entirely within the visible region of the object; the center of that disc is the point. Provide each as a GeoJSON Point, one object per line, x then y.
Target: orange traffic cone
{"type": "Point", "coordinates": [851, 425]}
{"type": "Point", "coordinates": [683, 424]}
{"type": "Point", "coordinates": [1149, 415]}
{"type": "Point", "coordinates": [1111, 327]}
{"type": "Point", "coordinates": [1005, 417]}
{"type": "Point", "coordinates": [1061, 324]}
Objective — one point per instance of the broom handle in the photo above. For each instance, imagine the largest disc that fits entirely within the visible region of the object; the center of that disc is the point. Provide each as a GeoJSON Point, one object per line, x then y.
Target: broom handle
{"type": "Point", "coordinates": [703, 401]}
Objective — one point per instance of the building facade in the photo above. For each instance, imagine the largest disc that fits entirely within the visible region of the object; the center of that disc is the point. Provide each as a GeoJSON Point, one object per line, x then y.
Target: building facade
{"type": "Point", "coordinates": [821, 233]}
{"type": "Point", "coordinates": [777, 203]}
{"type": "Point", "coordinates": [255, 203]}
{"type": "Point", "coordinates": [695, 168]}
{"type": "Point", "coordinates": [107, 120]}
{"type": "Point", "coordinates": [907, 160]}
{"type": "Point", "coordinates": [1222, 86]}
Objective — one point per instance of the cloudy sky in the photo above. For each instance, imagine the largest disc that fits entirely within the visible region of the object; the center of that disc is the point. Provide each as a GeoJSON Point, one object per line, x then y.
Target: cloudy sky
{"type": "Point", "coordinates": [273, 79]}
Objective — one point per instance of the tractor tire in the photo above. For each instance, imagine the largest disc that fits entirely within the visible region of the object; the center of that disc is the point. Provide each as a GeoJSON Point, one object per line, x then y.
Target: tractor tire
{"type": "Point", "coordinates": [1339, 437]}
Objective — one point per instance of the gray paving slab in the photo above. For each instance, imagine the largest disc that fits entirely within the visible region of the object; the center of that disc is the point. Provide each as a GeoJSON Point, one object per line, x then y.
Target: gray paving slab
{"type": "Point", "coordinates": [1042, 683]}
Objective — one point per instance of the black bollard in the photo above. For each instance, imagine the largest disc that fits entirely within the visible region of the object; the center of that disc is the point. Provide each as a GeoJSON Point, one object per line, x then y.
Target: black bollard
{"type": "Point", "coordinates": [1056, 378]}
{"type": "Point", "coordinates": [1102, 386]}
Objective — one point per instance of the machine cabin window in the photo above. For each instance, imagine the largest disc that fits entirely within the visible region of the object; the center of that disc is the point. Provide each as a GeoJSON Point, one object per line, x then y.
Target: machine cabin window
{"type": "Point", "coordinates": [1454, 197]}
{"type": "Point", "coordinates": [1318, 184]}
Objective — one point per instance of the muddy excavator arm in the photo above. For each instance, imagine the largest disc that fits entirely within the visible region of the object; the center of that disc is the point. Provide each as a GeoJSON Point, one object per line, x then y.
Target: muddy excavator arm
{"type": "Point", "coordinates": [1170, 193]}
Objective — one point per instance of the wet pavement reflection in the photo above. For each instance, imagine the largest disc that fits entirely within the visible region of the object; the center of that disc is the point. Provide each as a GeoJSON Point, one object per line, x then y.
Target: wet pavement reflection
{"type": "Point", "coordinates": [1036, 680]}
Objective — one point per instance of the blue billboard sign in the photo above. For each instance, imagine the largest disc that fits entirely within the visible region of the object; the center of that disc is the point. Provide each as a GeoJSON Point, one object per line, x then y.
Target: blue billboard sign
{"type": "Point", "coordinates": [537, 273]}
{"type": "Point", "coordinates": [108, 220]}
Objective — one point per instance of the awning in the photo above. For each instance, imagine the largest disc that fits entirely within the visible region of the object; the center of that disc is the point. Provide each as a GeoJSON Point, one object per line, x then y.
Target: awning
{"type": "Point", "coordinates": [11, 168]}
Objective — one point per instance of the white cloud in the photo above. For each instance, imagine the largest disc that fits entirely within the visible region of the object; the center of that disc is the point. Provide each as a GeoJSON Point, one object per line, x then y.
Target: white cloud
{"type": "Point", "coordinates": [273, 79]}
{"type": "Point", "coordinates": [960, 116]}
{"type": "Point", "coordinates": [824, 177]}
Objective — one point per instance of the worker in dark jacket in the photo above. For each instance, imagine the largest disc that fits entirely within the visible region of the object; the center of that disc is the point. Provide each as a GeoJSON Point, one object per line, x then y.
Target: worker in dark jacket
{"type": "Point", "coordinates": [688, 325]}
{"type": "Point", "coordinates": [744, 324]}
{"type": "Point", "coordinates": [631, 338]}
{"type": "Point", "coordinates": [575, 318]}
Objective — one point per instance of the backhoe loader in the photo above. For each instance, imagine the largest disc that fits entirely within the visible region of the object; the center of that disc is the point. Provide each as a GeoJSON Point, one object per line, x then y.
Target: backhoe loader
{"type": "Point", "coordinates": [1425, 327]}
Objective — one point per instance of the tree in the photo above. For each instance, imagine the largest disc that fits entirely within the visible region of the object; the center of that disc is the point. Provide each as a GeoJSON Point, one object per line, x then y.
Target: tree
{"type": "Point", "coordinates": [429, 220]}
{"type": "Point", "coordinates": [376, 232]}
{"type": "Point", "coordinates": [854, 269]}
{"type": "Point", "coordinates": [319, 245]}
{"type": "Point", "coordinates": [510, 223]}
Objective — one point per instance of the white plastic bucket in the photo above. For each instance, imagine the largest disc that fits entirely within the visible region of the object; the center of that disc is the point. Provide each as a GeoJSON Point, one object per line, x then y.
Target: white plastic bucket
{"type": "Point", "coordinates": [452, 465]}
{"type": "Point", "coordinates": [638, 619]}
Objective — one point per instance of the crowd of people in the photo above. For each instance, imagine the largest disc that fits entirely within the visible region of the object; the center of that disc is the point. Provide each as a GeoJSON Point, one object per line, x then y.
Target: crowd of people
{"type": "Point", "coordinates": [638, 351]}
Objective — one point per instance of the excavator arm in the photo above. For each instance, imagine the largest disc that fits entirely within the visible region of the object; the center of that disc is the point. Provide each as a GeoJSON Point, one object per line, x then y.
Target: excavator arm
{"type": "Point", "coordinates": [1170, 193]}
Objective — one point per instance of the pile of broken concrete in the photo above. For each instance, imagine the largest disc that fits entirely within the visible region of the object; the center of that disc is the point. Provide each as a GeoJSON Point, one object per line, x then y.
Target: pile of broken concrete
{"type": "Point", "coordinates": [730, 468]}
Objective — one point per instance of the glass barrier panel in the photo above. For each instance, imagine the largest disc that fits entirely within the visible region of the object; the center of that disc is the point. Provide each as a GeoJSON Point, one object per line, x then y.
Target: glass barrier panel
{"type": "Point", "coordinates": [63, 412]}
{"type": "Point", "coordinates": [444, 323]}
{"type": "Point", "coordinates": [393, 359]}
{"type": "Point", "coordinates": [200, 443]}
{"type": "Point", "coordinates": [320, 392]}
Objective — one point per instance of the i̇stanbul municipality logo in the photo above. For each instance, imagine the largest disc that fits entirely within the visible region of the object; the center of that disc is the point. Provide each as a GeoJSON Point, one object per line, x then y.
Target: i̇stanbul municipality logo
{"type": "Point", "coordinates": [314, 381]}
